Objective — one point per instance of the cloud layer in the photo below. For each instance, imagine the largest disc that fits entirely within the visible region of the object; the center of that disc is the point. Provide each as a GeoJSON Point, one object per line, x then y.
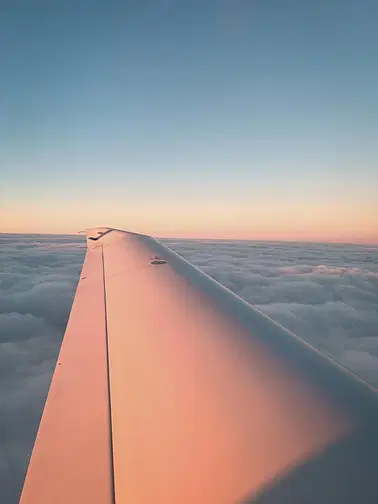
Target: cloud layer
{"type": "Point", "coordinates": [327, 294]}
{"type": "Point", "coordinates": [37, 281]}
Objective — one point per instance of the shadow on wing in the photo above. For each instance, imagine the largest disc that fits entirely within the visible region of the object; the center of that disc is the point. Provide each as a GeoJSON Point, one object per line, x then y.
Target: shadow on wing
{"type": "Point", "coordinates": [344, 473]}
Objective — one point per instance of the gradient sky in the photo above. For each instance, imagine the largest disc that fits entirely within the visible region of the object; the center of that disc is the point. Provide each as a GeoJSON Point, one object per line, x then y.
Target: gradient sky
{"type": "Point", "coordinates": [212, 118]}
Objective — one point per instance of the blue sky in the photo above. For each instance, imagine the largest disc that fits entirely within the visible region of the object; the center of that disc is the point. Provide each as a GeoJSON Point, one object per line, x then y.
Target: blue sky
{"type": "Point", "coordinates": [198, 111]}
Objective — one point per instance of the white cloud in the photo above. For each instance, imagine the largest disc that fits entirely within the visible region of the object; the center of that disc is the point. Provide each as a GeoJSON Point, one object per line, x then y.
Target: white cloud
{"type": "Point", "coordinates": [327, 294]}
{"type": "Point", "coordinates": [37, 282]}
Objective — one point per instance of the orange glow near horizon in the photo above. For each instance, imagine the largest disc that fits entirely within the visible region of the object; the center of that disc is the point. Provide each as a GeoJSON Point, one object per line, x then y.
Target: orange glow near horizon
{"type": "Point", "coordinates": [215, 220]}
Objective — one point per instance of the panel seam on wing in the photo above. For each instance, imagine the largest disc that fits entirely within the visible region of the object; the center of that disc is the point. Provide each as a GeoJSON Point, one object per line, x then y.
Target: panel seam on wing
{"type": "Point", "coordinates": [108, 376]}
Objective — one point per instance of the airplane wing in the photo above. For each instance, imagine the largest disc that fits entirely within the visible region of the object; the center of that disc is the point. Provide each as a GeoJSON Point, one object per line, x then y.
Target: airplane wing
{"type": "Point", "coordinates": [170, 389]}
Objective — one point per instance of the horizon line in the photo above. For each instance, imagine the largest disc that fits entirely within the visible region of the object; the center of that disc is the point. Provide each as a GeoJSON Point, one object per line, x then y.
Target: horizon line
{"type": "Point", "coordinates": [193, 238]}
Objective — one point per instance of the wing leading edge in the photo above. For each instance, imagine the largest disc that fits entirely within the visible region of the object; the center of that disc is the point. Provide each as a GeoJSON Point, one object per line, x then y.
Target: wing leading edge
{"type": "Point", "coordinates": [171, 389]}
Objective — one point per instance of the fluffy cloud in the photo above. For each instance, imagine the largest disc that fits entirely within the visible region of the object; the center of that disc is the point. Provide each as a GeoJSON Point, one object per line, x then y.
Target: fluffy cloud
{"type": "Point", "coordinates": [327, 294]}
{"type": "Point", "coordinates": [37, 282]}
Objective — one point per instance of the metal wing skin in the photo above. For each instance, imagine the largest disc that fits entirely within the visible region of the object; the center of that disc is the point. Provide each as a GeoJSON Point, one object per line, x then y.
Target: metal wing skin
{"type": "Point", "coordinates": [170, 389]}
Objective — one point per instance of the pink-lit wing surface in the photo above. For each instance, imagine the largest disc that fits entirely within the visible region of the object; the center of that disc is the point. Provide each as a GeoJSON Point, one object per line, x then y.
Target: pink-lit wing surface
{"type": "Point", "coordinates": [171, 389]}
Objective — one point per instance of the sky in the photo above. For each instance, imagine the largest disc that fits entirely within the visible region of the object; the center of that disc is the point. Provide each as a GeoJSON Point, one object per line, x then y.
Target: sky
{"type": "Point", "coordinates": [240, 119]}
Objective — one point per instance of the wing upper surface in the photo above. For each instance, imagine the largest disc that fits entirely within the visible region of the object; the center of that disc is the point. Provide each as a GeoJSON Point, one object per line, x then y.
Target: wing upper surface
{"type": "Point", "coordinates": [170, 389]}
{"type": "Point", "coordinates": [71, 456]}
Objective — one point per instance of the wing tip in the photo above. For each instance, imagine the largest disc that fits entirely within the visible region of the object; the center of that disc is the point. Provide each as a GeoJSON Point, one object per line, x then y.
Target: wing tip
{"type": "Point", "coordinates": [94, 234]}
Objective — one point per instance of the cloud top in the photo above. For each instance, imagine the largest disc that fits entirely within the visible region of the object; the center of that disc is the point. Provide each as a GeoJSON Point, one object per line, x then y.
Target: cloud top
{"type": "Point", "coordinates": [326, 294]}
